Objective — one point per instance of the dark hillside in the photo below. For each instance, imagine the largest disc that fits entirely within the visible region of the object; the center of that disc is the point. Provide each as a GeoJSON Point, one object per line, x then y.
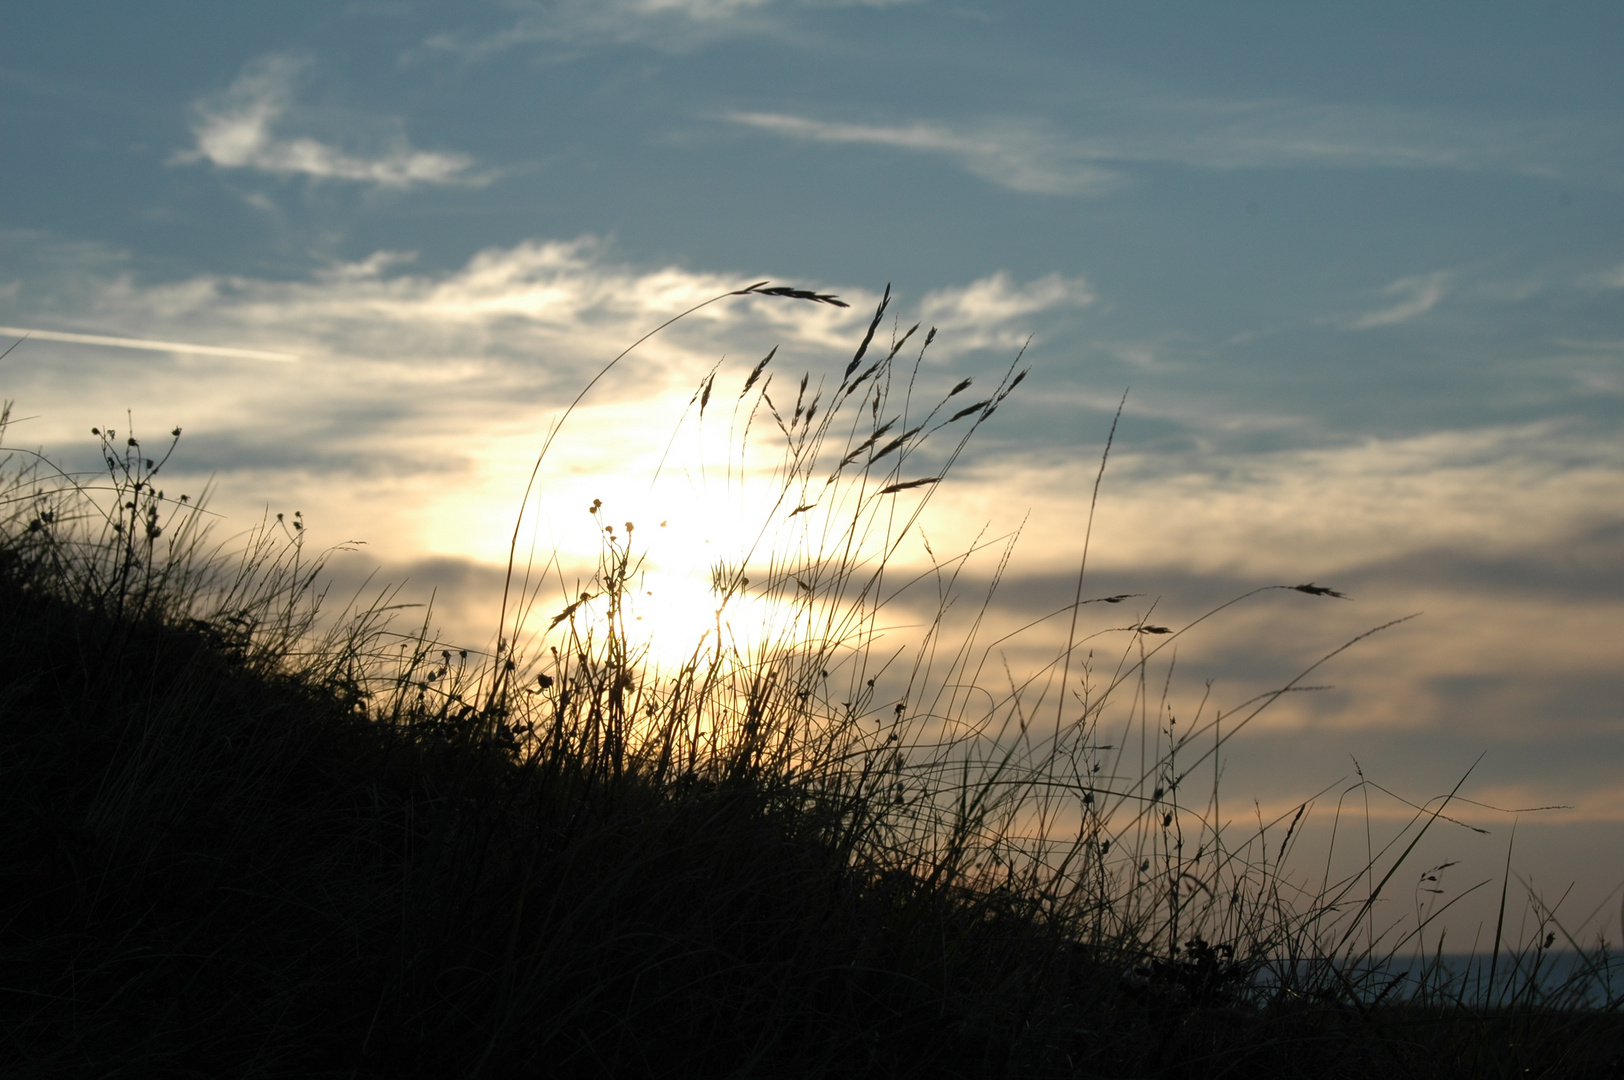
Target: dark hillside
{"type": "Point", "coordinates": [216, 865]}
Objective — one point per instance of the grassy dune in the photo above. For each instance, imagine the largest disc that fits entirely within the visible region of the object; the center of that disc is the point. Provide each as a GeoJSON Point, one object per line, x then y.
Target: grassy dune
{"type": "Point", "coordinates": [240, 836]}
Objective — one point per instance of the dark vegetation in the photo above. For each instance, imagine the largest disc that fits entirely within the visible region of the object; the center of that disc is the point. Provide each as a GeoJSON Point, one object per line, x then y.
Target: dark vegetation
{"type": "Point", "coordinates": [239, 839]}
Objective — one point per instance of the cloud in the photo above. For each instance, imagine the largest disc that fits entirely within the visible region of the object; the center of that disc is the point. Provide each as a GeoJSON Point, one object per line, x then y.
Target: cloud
{"type": "Point", "coordinates": [671, 25]}
{"type": "Point", "coordinates": [1497, 493]}
{"type": "Point", "coordinates": [511, 334]}
{"type": "Point", "coordinates": [661, 23]}
{"type": "Point", "coordinates": [1421, 294]}
{"type": "Point", "coordinates": [1506, 537]}
{"type": "Point", "coordinates": [571, 302]}
{"type": "Point", "coordinates": [1286, 132]}
{"type": "Point", "coordinates": [1016, 156]}
{"type": "Point", "coordinates": [1605, 279]}
{"type": "Point", "coordinates": [995, 312]}
{"type": "Point", "coordinates": [237, 130]}
{"type": "Point", "coordinates": [1106, 127]}
{"type": "Point", "coordinates": [146, 345]}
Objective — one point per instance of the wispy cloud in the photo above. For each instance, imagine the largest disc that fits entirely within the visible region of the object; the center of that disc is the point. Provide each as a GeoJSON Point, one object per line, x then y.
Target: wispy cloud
{"type": "Point", "coordinates": [1605, 279]}
{"type": "Point", "coordinates": [1418, 295]}
{"type": "Point", "coordinates": [660, 24]}
{"type": "Point", "coordinates": [517, 328]}
{"type": "Point", "coordinates": [1021, 157]}
{"type": "Point", "coordinates": [1089, 150]}
{"type": "Point", "coordinates": [997, 313]}
{"type": "Point", "coordinates": [145, 344]}
{"type": "Point", "coordinates": [1237, 133]}
{"type": "Point", "coordinates": [239, 130]}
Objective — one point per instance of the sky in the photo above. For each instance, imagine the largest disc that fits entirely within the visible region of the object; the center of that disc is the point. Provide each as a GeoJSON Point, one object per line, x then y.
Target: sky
{"type": "Point", "coordinates": [1358, 268]}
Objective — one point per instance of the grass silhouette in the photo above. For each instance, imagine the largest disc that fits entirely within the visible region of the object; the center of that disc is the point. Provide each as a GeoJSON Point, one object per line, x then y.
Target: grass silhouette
{"type": "Point", "coordinates": [242, 837]}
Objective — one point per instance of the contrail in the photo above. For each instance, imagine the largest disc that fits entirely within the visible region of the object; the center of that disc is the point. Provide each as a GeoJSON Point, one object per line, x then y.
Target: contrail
{"type": "Point", "coordinates": [142, 343]}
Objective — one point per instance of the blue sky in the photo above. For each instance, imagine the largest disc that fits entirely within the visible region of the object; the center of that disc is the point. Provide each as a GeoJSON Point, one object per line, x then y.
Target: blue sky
{"type": "Point", "coordinates": [1361, 268]}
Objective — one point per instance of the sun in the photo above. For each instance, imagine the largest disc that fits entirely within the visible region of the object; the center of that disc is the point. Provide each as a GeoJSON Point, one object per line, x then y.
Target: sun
{"type": "Point", "coordinates": [699, 575]}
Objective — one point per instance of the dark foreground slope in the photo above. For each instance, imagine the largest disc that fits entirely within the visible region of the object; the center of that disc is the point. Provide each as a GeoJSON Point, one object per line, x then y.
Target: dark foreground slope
{"type": "Point", "coordinates": [214, 869]}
